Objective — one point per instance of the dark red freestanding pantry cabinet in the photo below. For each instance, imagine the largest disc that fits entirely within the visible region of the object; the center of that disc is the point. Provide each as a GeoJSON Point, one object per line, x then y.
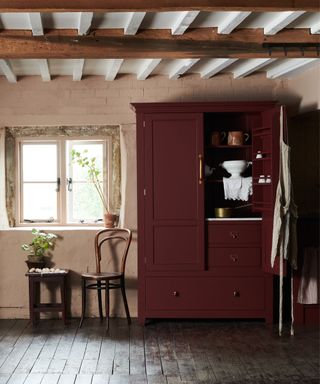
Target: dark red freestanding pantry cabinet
{"type": "Point", "coordinates": [191, 264]}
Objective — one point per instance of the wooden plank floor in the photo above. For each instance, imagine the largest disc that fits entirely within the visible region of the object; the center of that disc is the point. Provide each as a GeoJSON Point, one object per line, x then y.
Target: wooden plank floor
{"type": "Point", "coordinates": [164, 352]}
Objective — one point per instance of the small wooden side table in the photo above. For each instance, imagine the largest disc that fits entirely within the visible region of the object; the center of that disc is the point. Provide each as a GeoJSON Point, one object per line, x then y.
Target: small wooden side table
{"type": "Point", "coordinates": [35, 305]}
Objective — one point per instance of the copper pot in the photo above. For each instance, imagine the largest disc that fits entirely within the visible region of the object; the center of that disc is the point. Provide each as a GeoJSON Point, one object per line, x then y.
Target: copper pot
{"type": "Point", "coordinates": [220, 212]}
{"type": "Point", "coordinates": [223, 212]}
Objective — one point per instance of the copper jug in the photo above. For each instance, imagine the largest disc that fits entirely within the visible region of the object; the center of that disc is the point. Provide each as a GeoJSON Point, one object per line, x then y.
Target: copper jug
{"type": "Point", "coordinates": [237, 137]}
{"type": "Point", "coordinates": [217, 137]}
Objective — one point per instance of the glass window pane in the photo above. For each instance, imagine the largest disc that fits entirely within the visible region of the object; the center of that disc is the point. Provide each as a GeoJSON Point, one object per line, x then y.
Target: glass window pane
{"type": "Point", "coordinates": [39, 162]}
{"type": "Point", "coordinates": [94, 150]}
{"type": "Point", "coordinates": [39, 201]}
{"type": "Point", "coordinates": [84, 203]}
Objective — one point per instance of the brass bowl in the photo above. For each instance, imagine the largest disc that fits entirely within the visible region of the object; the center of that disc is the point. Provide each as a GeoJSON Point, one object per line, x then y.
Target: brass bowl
{"type": "Point", "coordinates": [223, 212]}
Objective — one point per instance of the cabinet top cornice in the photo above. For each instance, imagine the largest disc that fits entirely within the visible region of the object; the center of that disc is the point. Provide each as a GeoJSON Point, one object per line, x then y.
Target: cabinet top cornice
{"type": "Point", "coordinates": [215, 106]}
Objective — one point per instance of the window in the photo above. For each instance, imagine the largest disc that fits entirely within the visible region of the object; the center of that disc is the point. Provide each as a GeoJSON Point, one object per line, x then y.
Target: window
{"type": "Point", "coordinates": [53, 188]}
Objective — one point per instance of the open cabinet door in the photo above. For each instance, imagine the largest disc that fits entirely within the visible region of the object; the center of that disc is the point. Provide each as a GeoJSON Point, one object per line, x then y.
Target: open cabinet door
{"type": "Point", "coordinates": [266, 140]}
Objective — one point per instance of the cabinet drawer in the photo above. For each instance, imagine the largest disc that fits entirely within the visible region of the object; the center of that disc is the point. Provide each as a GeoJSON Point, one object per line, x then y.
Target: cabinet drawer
{"type": "Point", "coordinates": [205, 293]}
{"type": "Point", "coordinates": [234, 234]}
{"type": "Point", "coordinates": [234, 257]}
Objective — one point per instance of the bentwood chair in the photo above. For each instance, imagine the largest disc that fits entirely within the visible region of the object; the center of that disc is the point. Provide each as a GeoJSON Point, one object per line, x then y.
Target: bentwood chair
{"type": "Point", "coordinates": [115, 243]}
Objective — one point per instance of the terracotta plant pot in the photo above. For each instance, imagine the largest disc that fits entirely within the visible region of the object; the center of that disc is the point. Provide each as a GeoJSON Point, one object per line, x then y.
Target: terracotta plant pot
{"type": "Point", "coordinates": [110, 220]}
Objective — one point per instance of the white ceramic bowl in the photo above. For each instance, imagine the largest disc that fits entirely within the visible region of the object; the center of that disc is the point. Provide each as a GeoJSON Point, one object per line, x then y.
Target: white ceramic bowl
{"type": "Point", "coordinates": [235, 167]}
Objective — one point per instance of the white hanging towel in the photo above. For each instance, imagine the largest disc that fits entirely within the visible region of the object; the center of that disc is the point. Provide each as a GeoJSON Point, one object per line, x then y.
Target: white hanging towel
{"type": "Point", "coordinates": [284, 235]}
{"type": "Point", "coordinates": [309, 289]}
{"type": "Point", "coordinates": [237, 188]}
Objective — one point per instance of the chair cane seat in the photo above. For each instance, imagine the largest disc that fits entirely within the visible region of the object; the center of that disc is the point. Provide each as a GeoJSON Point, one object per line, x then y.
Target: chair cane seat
{"type": "Point", "coordinates": [102, 275]}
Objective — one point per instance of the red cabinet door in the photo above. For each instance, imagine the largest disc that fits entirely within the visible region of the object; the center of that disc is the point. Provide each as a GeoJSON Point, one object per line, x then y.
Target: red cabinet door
{"type": "Point", "coordinates": [267, 137]}
{"type": "Point", "coordinates": [174, 192]}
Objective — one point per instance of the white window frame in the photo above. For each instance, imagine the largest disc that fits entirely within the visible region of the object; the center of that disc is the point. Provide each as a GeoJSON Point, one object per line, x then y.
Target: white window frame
{"type": "Point", "coordinates": [62, 170]}
{"type": "Point", "coordinates": [105, 186]}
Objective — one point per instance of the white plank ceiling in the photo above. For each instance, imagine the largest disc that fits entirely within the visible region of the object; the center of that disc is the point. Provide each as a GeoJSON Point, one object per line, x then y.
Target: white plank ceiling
{"type": "Point", "coordinates": [178, 22]}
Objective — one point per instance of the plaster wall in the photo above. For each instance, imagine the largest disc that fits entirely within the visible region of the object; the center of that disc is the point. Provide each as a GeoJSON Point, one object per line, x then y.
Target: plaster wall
{"type": "Point", "coordinates": [95, 101]}
{"type": "Point", "coordinates": [305, 90]}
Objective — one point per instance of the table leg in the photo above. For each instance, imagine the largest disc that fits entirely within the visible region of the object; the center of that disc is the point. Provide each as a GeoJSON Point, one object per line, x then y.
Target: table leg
{"type": "Point", "coordinates": [63, 299]}
{"type": "Point", "coordinates": [31, 300]}
{"type": "Point", "coordinates": [37, 285]}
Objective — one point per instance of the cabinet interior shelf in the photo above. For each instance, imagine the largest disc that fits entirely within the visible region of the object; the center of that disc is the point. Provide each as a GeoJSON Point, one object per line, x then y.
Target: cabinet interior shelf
{"type": "Point", "coordinates": [263, 159]}
{"type": "Point", "coordinates": [261, 134]}
{"type": "Point", "coordinates": [266, 128]}
{"type": "Point", "coordinates": [214, 181]}
{"type": "Point", "coordinates": [262, 204]}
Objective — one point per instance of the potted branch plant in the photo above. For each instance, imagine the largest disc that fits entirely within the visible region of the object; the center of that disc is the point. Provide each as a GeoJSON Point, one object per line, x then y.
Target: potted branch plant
{"type": "Point", "coordinates": [94, 176]}
{"type": "Point", "coordinates": [41, 243]}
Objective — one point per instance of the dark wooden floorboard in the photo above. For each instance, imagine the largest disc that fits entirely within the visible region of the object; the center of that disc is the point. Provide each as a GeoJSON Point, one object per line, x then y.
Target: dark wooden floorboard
{"type": "Point", "coordinates": [16, 343]}
{"type": "Point", "coordinates": [152, 352]}
{"type": "Point", "coordinates": [50, 378]}
{"type": "Point", "coordinates": [67, 379]}
{"type": "Point", "coordinates": [84, 378]}
{"type": "Point", "coordinates": [4, 377]}
{"type": "Point", "coordinates": [100, 379]}
{"type": "Point", "coordinates": [164, 352]}
{"type": "Point", "coordinates": [137, 364]}
{"type": "Point", "coordinates": [17, 378]}
{"type": "Point", "coordinates": [167, 350]}
{"type": "Point", "coordinates": [120, 331]}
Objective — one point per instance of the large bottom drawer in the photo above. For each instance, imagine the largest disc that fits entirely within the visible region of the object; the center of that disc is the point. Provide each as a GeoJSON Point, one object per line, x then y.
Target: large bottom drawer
{"type": "Point", "coordinates": [205, 293]}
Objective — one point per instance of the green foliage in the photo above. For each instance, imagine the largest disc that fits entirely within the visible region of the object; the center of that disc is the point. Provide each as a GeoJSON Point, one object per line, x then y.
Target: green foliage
{"type": "Point", "coordinates": [40, 244]}
{"type": "Point", "coordinates": [94, 173]}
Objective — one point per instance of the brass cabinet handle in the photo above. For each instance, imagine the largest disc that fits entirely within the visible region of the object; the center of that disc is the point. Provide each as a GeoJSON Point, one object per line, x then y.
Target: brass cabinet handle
{"type": "Point", "coordinates": [234, 258]}
{"type": "Point", "coordinates": [175, 293]}
{"type": "Point", "coordinates": [234, 235]}
{"type": "Point", "coordinates": [236, 294]}
{"type": "Point", "coordinates": [200, 169]}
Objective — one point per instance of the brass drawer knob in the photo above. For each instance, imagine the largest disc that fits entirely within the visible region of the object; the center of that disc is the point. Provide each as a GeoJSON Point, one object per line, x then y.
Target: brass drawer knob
{"type": "Point", "coordinates": [175, 293]}
{"type": "Point", "coordinates": [234, 258]}
{"type": "Point", "coordinates": [234, 235]}
{"type": "Point", "coordinates": [236, 294]}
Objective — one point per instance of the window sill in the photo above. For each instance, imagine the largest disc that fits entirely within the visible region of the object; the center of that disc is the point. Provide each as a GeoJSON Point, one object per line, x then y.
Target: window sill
{"type": "Point", "coordinates": [57, 228]}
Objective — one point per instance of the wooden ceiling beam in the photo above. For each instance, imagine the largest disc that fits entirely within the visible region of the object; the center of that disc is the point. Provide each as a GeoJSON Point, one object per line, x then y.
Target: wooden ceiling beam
{"type": "Point", "coordinates": [36, 23]}
{"type": "Point", "coordinates": [287, 67]}
{"type": "Point", "coordinates": [231, 22]}
{"type": "Point", "coordinates": [280, 21]}
{"type": "Point", "coordinates": [134, 22]}
{"type": "Point", "coordinates": [78, 70]}
{"type": "Point", "coordinates": [196, 43]}
{"type": "Point", "coordinates": [183, 22]}
{"type": "Point", "coordinates": [147, 67]}
{"type": "Point", "coordinates": [215, 66]}
{"type": "Point", "coordinates": [315, 28]}
{"type": "Point", "coordinates": [85, 20]}
{"type": "Point", "coordinates": [250, 66]}
{"type": "Point", "coordinates": [113, 69]}
{"type": "Point", "coordinates": [7, 71]}
{"type": "Point", "coordinates": [181, 67]}
{"type": "Point", "coordinates": [44, 69]}
{"type": "Point", "coordinates": [156, 6]}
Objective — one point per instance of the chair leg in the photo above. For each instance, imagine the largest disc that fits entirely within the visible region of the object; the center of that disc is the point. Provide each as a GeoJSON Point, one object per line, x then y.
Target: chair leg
{"type": "Point", "coordinates": [84, 301]}
{"type": "Point", "coordinates": [107, 298]}
{"type": "Point", "coordinates": [99, 299]}
{"type": "Point", "coordinates": [123, 291]}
